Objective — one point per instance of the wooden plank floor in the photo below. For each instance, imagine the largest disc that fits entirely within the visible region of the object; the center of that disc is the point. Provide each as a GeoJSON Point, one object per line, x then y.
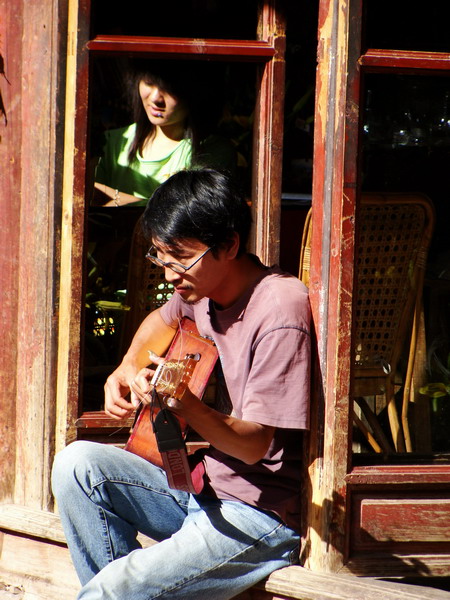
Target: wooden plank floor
{"type": "Point", "coordinates": [32, 569]}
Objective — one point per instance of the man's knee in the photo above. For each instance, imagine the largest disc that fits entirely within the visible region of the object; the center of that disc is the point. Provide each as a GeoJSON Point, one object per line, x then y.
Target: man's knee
{"type": "Point", "coordinates": [69, 463]}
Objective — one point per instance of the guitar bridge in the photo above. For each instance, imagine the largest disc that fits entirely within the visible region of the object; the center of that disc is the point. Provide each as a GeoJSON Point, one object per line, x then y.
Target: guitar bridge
{"type": "Point", "coordinates": [172, 377]}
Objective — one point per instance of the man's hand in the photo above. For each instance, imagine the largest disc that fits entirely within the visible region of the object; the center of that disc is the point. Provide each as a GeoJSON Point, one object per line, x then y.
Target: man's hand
{"type": "Point", "coordinates": [152, 333]}
{"type": "Point", "coordinates": [141, 387]}
{"type": "Point", "coordinates": [117, 389]}
{"type": "Point", "coordinates": [127, 387]}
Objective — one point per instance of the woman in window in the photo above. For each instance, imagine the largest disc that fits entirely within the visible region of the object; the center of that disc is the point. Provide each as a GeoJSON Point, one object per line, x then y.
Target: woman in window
{"type": "Point", "coordinates": [174, 111]}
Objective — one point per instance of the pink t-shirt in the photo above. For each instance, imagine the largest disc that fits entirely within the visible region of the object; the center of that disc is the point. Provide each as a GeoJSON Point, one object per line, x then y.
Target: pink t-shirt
{"type": "Point", "coordinates": [264, 348]}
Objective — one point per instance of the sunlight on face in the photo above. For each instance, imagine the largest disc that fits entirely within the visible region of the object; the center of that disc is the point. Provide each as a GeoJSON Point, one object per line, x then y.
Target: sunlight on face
{"type": "Point", "coordinates": [162, 108]}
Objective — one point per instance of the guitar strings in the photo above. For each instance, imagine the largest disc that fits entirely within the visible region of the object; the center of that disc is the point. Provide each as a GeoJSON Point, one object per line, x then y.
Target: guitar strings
{"type": "Point", "coordinates": [148, 394]}
{"type": "Point", "coordinates": [168, 376]}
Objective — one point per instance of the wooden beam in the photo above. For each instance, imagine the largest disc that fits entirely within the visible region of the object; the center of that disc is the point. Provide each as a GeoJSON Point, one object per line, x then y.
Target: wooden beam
{"type": "Point", "coordinates": [35, 569]}
{"type": "Point", "coordinates": [411, 475]}
{"type": "Point", "coordinates": [27, 570]}
{"type": "Point", "coordinates": [183, 47]}
{"type": "Point", "coordinates": [330, 294]}
{"type": "Point", "coordinates": [268, 138]}
{"type": "Point", "coordinates": [72, 231]}
{"type": "Point", "coordinates": [402, 59]}
{"type": "Point", "coordinates": [11, 35]}
{"type": "Point", "coordinates": [30, 46]}
{"type": "Point", "coordinates": [302, 584]}
{"type": "Point", "coordinates": [28, 521]}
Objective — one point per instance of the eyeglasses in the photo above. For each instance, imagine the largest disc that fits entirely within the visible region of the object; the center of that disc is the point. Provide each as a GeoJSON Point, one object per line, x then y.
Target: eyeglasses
{"type": "Point", "coordinates": [173, 266]}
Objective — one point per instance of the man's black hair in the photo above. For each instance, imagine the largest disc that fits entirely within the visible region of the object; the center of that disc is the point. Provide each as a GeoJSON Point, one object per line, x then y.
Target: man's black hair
{"type": "Point", "coordinates": [201, 204]}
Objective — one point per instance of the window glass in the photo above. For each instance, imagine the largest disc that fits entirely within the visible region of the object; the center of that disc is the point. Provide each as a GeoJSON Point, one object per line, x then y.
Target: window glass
{"type": "Point", "coordinates": [406, 149]}
{"type": "Point", "coordinates": [233, 19]}
{"type": "Point", "coordinates": [301, 53]}
{"type": "Point", "coordinates": [406, 137]}
{"type": "Point", "coordinates": [301, 61]}
{"type": "Point", "coordinates": [220, 97]}
{"type": "Point", "coordinates": [406, 25]}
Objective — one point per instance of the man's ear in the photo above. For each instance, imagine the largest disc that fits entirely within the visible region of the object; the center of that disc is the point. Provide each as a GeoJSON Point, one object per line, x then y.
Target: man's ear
{"type": "Point", "coordinates": [232, 245]}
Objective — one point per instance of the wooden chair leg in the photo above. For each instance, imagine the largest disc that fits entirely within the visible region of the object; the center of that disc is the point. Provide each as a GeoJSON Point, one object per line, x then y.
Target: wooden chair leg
{"type": "Point", "coordinates": [396, 430]}
{"type": "Point", "coordinates": [375, 425]}
{"type": "Point", "coordinates": [366, 433]}
{"type": "Point", "coordinates": [415, 373]}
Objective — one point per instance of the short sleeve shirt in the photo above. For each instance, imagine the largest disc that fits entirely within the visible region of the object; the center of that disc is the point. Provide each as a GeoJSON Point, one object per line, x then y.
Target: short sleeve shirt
{"type": "Point", "coordinates": [142, 177]}
{"type": "Point", "coordinates": [264, 349]}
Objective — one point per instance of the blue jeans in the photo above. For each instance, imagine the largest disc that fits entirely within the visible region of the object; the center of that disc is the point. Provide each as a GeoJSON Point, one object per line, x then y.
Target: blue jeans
{"type": "Point", "coordinates": [208, 548]}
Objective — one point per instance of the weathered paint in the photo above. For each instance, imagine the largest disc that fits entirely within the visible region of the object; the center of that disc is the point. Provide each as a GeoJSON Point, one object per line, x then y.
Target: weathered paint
{"type": "Point", "coordinates": [331, 243]}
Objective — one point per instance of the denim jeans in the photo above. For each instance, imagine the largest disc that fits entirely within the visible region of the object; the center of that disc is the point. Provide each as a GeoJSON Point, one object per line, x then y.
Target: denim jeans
{"type": "Point", "coordinates": [208, 548]}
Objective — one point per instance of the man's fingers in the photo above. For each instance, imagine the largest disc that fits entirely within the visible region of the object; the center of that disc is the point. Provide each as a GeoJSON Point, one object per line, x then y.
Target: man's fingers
{"type": "Point", "coordinates": [141, 387]}
{"type": "Point", "coordinates": [119, 409]}
{"type": "Point", "coordinates": [157, 360]}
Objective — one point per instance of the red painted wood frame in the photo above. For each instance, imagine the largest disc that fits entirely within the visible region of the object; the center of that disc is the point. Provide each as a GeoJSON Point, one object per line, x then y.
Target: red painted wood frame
{"type": "Point", "coordinates": [337, 489]}
{"type": "Point", "coordinates": [268, 51]}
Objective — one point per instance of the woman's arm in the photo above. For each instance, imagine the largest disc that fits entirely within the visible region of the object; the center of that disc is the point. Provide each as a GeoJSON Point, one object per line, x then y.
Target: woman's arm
{"type": "Point", "coordinates": [104, 195]}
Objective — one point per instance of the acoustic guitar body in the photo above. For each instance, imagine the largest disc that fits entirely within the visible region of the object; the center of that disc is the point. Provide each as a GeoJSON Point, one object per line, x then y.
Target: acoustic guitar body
{"type": "Point", "coordinates": [189, 362]}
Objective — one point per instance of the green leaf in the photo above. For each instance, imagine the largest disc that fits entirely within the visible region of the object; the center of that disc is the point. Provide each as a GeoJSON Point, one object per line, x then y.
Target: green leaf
{"type": "Point", "coordinates": [435, 390]}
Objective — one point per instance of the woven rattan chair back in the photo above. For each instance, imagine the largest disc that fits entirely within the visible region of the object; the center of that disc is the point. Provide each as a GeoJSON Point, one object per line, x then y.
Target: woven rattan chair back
{"type": "Point", "coordinates": [147, 288]}
{"type": "Point", "coordinates": [392, 240]}
{"type": "Point", "coordinates": [305, 250]}
{"type": "Point", "coordinates": [393, 234]}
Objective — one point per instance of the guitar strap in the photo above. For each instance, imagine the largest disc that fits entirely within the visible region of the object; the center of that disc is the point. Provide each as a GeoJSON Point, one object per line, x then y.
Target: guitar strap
{"type": "Point", "coordinates": [181, 474]}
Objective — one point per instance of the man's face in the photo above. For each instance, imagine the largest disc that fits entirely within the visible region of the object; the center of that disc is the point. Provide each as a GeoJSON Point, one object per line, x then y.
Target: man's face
{"type": "Point", "coordinates": [206, 278]}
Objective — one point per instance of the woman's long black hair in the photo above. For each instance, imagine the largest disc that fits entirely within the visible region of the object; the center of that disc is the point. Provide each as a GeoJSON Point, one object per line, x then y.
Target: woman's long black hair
{"type": "Point", "coordinates": [196, 85]}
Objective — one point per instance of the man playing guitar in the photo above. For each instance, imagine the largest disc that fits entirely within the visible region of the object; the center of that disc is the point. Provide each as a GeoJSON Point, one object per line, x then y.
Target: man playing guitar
{"type": "Point", "coordinates": [245, 522]}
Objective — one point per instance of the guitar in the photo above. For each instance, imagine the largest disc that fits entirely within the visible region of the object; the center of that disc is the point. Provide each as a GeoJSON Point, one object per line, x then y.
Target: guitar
{"type": "Point", "coordinates": [160, 436]}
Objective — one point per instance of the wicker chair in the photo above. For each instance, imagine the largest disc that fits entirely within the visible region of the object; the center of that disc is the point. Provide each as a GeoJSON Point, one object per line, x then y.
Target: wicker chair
{"type": "Point", "coordinates": [305, 250]}
{"type": "Point", "coordinates": [393, 236]}
{"type": "Point", "coordinates": [147, 288]}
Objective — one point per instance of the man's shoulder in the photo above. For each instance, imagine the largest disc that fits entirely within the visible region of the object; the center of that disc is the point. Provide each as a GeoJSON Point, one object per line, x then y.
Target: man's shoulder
{"type": "Point", "coordinates": [282, 300]}
{"type": "Point", "coordinates": [284, 284]}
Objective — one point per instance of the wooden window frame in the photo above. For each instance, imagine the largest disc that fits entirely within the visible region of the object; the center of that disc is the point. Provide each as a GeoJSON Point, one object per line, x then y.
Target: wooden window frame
{"type": "Point", "coordinates": [268, 52]}
{"type": "Point", "coordinates": [31, 153]}
{"type": "Point", "coordinates": [333, 479]}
